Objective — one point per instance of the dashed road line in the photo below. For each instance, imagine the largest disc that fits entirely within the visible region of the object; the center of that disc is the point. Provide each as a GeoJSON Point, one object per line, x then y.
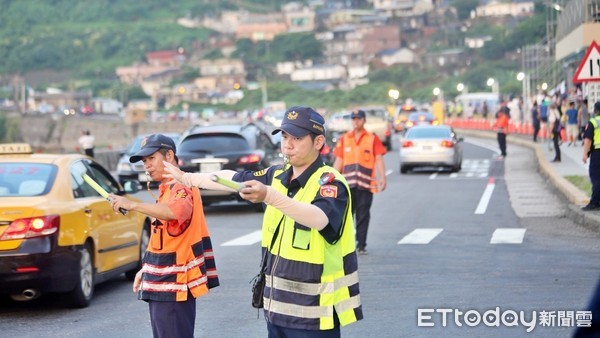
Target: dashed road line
{"type": "Point", "coordinates": [420, 236]}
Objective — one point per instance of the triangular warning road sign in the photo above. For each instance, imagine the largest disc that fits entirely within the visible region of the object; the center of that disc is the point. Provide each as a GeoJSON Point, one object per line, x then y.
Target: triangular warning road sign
{"type": "Point", "coordinates": [589, 68]}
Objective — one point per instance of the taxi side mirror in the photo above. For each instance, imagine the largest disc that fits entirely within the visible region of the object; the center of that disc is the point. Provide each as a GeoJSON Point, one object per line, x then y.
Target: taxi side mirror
{"type": "Point", "coordinates": [131, 187]}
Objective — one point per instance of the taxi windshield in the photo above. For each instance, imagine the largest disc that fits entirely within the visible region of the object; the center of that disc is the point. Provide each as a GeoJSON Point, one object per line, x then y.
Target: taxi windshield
{"type": "Point", "coordinates": [26, 179]}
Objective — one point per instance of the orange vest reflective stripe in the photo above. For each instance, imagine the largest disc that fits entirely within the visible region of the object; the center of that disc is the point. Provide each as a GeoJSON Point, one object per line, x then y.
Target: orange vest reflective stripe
{"type": "Point", "coordinates": [174, 264]}
{"type": "Point", "coordinates": [358, 162]}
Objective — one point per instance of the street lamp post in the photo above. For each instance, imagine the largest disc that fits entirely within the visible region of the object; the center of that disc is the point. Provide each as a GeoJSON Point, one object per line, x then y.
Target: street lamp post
{"type": "Point", "coordinates": [524, 78]}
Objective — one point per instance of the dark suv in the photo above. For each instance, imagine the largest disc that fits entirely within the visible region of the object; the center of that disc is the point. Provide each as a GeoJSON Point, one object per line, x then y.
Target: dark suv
{"type": "Point", "coordinates": [235, 147]}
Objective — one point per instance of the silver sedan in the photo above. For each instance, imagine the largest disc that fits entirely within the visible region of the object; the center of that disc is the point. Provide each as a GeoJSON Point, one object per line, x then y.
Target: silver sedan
{"type": "Point", "coordinates": [430, 146]}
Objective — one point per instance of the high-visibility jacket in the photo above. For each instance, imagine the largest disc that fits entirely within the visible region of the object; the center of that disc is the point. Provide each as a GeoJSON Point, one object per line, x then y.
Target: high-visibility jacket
{"type": "Point", "coordinates": [358, 161]}
{"type": "Point", "coordinates": [306, 277]}
{"type": "Point", "coordinates": [174, 264]}
{"type": "Point", "coordinates": [594, 121]}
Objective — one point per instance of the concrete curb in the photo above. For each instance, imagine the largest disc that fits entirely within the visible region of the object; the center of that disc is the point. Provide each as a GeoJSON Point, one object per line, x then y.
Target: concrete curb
{"type": "Point", "coordinates": [573, 194]}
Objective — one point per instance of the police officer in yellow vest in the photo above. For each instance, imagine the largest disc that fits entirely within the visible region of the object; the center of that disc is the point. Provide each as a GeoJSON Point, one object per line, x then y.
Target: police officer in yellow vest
{"type": "Point", "coordinates": [307, 234]}
{"type": "Point", "coordinates": [591, 150]}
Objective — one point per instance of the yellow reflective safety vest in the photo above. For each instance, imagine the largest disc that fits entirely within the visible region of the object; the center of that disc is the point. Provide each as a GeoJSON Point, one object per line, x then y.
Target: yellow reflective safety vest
{"type": "Point", "coordinates": [308, 278]}
{"type": "Point", "coordinates": [174, 264]}
{"type": "Point", "coordinates": [594, 122]}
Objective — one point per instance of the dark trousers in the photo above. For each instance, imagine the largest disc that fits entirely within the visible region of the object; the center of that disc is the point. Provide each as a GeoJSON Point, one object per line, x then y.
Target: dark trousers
{"type": "Point", "coordinates": [594, 306]}
{"type": "Point", "coordinates": [502, 143]}
{"type": "Point", "coordinates": [173, 319]}
{"type": "Point", "coordinates": [556, 141]}
{"type": "Point", "coordinates": [284, 332]}
{"type": "Point", "coordinates": [361, 207]}
{"type": "Point", "coordinates": [536, 131]}
{"type": "Point", "coordinates": [594, 171]}
{"type": "Point", "coordinates": [89, 152]}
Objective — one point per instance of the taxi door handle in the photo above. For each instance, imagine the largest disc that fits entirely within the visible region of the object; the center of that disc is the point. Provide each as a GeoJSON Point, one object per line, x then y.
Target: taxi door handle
{"type": "Point", "coordinates": [87, 210]}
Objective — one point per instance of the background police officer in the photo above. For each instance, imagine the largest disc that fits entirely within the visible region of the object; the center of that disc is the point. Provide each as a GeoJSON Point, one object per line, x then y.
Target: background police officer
{"type": "Point", "coordinates": [591, 149]}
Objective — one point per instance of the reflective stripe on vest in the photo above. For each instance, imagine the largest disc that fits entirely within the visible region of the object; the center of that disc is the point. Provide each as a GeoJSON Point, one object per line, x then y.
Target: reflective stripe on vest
{"type": "Point", "coordinates": [184, 262]}
{"type": "Point", "coordinates": [594, 122]}
{"type": "Point", "coordinates": [358, 162]}
{"type": "Point", "coordinates": [307, 278]}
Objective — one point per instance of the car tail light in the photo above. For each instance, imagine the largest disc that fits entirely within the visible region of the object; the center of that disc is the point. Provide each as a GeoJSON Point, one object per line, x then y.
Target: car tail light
{"type": "Point", "coordinates": [248, 159]}
{"type": "Point", "coordinates": [410, 123]}
{"type": "Point", "coordinates": [407, 144]}
{"type": "Point", "coordinates": [447, 144]}
{"type": "Point", "coordinates": [325, 150]}
{"type": "Point", "coordinates": [31, 227]}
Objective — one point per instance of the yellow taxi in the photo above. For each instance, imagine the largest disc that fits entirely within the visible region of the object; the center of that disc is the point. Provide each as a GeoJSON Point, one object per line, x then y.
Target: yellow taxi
{"type": "Point", "coordinates": [57, 234]}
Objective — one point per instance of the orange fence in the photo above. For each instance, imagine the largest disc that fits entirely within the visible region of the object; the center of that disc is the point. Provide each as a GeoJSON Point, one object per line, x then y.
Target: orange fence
{"type": "Point", "coordinates": [523, 128]}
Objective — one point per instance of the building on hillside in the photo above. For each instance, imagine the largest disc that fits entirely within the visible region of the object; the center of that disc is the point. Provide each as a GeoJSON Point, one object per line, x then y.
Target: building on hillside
{"type": "Point", "coordinates": [448, 58]}
{"type": "Point", "coordinates": [298, 17]}
{"type": "Point", "coordinates": [477, 41]}
{"type": "Point", "coordinates": [135, 75]}
{"type": "Point", "coordinates": [166, 58]}
{"type": "Point", "coordinates": [401, 8]}
{"type": "Point", "coordinates": [495, 8]}
{"type": "Point", "coordinates": [395, 56]}
{"type": "Point", "coordinates": [332, 73]}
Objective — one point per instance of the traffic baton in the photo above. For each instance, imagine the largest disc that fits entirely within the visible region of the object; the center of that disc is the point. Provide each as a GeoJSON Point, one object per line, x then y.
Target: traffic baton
{"type": "Point", "coordinates": [100, 190]}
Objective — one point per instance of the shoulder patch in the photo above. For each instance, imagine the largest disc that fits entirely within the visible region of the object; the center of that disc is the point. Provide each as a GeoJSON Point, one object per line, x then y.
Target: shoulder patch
{"type": "Point", "coordinates": [329, 191]}
{"type": "Point", "coordinates": [260, 172]}
{"type": "Point", "coordinates": [181, 193]}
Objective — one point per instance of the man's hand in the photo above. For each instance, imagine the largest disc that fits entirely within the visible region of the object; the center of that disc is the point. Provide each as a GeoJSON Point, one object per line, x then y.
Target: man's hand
{"type": "Point", "coordinates": [254, 191]}
{"type": "Point", "coordinates": [137, 281]}
{"type": "Point", "coordinates": [117, 202]}
{"type": "Point", "coordinates": [382, 184]}
{"type": "Point", "coordinates": [584, 158]}
{"type": "Point", "coordinates": [172, 172]}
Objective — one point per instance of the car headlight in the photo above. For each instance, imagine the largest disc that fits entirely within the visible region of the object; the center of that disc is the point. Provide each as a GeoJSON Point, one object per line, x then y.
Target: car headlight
{"type": "Point", "coordinates": [124, 167]}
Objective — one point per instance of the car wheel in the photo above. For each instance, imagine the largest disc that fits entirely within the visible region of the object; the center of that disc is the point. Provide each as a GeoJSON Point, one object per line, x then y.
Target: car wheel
{"type": "Point", "coordinates": [144, 240]}
{"type": "Point", "coordinates": [403, 169]}
{"type": "Point", "coordinates": [82, 295]}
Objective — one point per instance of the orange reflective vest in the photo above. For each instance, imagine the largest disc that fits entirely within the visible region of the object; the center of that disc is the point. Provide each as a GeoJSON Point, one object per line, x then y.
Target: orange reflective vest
{"type": "Point", "coordinates": [358, 161]}
{"type": "Point", "coordinates": [174, 264]}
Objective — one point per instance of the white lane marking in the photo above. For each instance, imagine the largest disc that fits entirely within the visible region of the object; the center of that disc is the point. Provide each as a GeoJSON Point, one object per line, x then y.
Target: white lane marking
{"type": "Point", "coordinates": [249, 239]}
{"type": "Point", "coordinates": [433, 176]}
{"type": "Point", "coordinates": [483, 145]}
{"type": "Point", "coordinates": [389, 172]}
{"type": "Point", "coordinates": [453, 175]}
{"type": "Point", "coordinates": [508, 236]}
{"type": "Point", "coordinates": [420, 236]}
{"type": "Point", "coordinates": [485, 198]}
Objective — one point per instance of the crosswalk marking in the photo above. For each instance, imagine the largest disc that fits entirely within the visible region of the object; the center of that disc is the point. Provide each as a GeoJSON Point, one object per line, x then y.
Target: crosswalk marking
{"type": "Point", "coordinates": [508, 236]}
{"type": "Point", "coordinates": [485, 198]}
{"type": "Point", "coordinates": [420, 236]}
{"type": "Point", "coordinates": [249, 239]}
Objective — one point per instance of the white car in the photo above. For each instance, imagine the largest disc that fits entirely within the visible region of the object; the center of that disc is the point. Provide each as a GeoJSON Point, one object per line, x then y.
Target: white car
{"type": "Point", "coordinates": [430, 146]}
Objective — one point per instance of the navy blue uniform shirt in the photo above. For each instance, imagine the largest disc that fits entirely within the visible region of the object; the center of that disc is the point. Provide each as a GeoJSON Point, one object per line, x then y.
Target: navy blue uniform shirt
{"type": "Point", "coordinates": [333, 207]}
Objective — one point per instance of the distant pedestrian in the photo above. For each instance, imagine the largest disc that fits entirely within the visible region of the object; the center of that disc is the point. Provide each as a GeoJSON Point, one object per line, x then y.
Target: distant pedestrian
{"type": "Point", "coordinates": [86, 141]}
{"type": "Point", "coordinates": [359, 157]}
{"type": "Point", "coordinates": [583, 117]}
{"type": "Point", "coordinates": [591, 150]}
{"type": "Point", "coordinates": [572, 124]}
{"type": "Point", "coordinates": [555, 127]}
{"type": "Point", "coordinates": [535, 120]}
{"type": "Point", "coordinates": [501, 127]}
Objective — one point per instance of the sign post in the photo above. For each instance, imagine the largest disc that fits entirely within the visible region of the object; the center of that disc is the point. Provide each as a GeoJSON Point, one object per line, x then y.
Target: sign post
{"type": "Point", "coordinates": [588, 71]}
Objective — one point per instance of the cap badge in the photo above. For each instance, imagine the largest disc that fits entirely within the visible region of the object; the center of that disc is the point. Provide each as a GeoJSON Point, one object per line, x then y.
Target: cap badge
{"type": "Point", "coordinates": [143, 143]}
{"type": "Point", "coordinates": [292, 115]}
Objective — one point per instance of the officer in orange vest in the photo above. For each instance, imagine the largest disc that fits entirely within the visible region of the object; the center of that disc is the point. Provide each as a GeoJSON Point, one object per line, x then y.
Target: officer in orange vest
{"type": "Point", "coordinates": [359, 157]}
{"type": "Point", "coordinates": [179, 264]}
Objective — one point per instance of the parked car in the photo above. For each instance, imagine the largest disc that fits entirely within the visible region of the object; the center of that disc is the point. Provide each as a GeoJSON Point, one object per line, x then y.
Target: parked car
{"type": "Point", "coordinates": [430, 146]}
{"type": "Point", "coordinates": [57, 234]}
{"type": "Point", "coordinates": [235, 147]}
{"type": "Point", "coordinates": [420, 118]}
{"type": "Point", "coordinates": [127, 171]}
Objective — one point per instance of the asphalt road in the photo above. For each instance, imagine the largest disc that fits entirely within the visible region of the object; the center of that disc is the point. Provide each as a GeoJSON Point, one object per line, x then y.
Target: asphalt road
{"type": "Point", "coordinates": [474, 254]}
